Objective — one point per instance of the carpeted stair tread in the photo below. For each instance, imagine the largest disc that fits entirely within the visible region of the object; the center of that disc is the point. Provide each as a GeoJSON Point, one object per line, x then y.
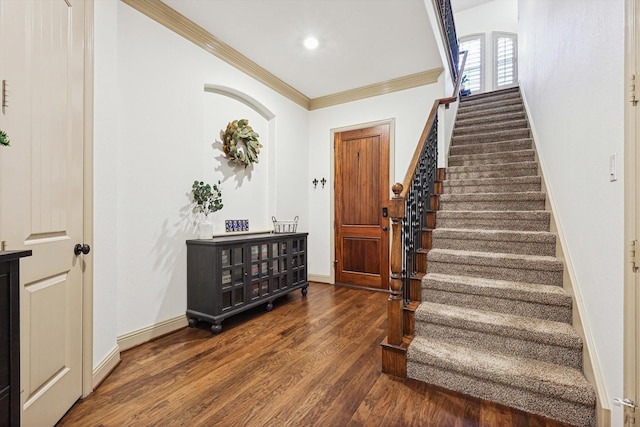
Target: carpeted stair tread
{"type": "Point", "coordinates": [498, 118]}
{"type": "Point", "coordinates": [477, 99]}
{"type": "Point", "coordinates": [491, 158]}
{"type": "Point", "coordinates": [495, 259]}
{"type": "Point", "coordinates": [472, 113]}
{"type": "Point", "coordinates": [545, 270]}
{"type": "Point", "coordinates": [461, 129]}
{"type": "Point", "coordinates": [492, 147]}
{"type": "Point", "coordinates": [493, 185]}
{"type": "Point", "coordinates": [543, 388]}
{"type": "Point", "coordinates": [548, 378]}
{"type": "Point", "coordinates": [520, 201]}
{"type": "Point", "coordinates": [482, 240]}
{"type": "Point", "coordinates": [504, 324]}
{"type": "Point", "coordinates": [492, 171]}
{"type": "Point", "coordinates": [501, 135]}
{"type": "Point", "coordinates": [501, 296]}
{"type": "Point", "coordinates": [490, 103]}
{"type": "Point", "coordinates": [494, 220]}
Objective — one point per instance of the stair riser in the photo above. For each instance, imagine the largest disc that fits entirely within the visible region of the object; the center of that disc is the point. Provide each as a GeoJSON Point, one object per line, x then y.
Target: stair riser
{"type": "Point", "coordinates": [490, 112]}
{"type": "Point", "coordinates": [531, 349]}
{"type": "Point", "coordinates": [491, 148]}
{"type": "Point", "coordinates": [509, 247]}
{"type": "Point", "coordinates": [554, 313]}
{"type": "Point", "coordinates": [498, 118]}
{"type": "Point", "coordinates": [514, 188]}
{"type": "Point", "coordinates": [491, 159]}
{"type": "Point", "coordinates": [489, 173]}
{"type": "Point", "coordinates": [492, 224]}
{"type": "Point", "coordinates": [499, 205]}
{"type": "Point", "coordinates": [476, 100]}
{"type": "Point", "coordinates": [506, 135]}
{"type": "Point", "coordinates": [515, 397]}
{"type": "Point", "coordinates": [514, 273]}
{"type": "Point", "coordinates": [489, 104]}
{"type": "Point", "coordinates": [493, 127]}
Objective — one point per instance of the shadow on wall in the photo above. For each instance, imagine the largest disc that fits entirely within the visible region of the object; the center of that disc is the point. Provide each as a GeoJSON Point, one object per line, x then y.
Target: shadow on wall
{"type": "Point", "coordinates": [228, 169]}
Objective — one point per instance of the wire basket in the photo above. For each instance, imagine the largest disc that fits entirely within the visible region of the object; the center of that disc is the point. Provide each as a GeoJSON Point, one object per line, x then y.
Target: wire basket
{"type": "Point", "coordinates": [285, 226]}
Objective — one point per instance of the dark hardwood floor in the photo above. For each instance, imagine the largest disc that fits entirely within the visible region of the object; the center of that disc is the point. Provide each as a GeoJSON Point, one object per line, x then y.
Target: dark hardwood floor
{"type": "Point", "coordinates": [312, 361]}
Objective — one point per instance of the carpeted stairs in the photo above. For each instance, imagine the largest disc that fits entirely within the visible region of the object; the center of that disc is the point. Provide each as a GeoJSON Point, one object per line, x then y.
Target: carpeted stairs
{"type": "Point", "coordinates": [495, 322]}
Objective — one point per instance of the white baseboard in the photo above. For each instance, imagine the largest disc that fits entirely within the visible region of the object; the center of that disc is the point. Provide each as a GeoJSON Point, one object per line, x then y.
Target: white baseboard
{"type": "Point", "coordinates": [105, 367]}
{"type": "Point", "coordinates": [591, 364]}
{"type": "Point", "coordinates": [320, 278]}
{"type": "Point", "coordinates": [143, 335]}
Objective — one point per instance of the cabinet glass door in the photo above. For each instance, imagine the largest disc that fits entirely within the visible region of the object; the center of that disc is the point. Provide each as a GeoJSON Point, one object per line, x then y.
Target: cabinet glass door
{"type": "Point", "coordinates": [259, 283]}
{"type": "Point", "coordinates": [298, 261]}
{"type": "Point", "coordinates": [233, 274]}
{"type": "Point", "coordinates": [279, 266]}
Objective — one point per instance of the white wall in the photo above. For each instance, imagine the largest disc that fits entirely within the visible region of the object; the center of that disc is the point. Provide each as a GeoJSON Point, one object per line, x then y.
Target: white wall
{"type": "Point", "coordinates": [105, 242]}
{"type": "Point", "coordinates": [409, 108]}
{"type": "Point", "coordinates": [498, 15]}
{"type": "Point", "coordinates": [572, 75]}
{"type": "Point", "coordinates": [152, 140]}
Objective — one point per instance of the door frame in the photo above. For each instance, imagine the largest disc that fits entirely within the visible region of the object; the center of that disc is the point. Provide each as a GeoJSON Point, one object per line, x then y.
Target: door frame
{"type": "Point", "coordinates": [87, 271]}
{"type": "Point", "coordinates": [332, 199]}
{"type": "Point", "coordinates": [631, 382]}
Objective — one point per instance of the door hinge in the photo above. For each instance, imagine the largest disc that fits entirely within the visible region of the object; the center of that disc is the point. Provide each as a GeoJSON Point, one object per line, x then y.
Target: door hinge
{"type": "Point", "coordinates": [5, 101]}
{"type": "Point", "coordinates": [633, 254]}
{"type": "Point", "coordinates": [626, 402]}
{"type": "Point", "coordinates": [632, 89]}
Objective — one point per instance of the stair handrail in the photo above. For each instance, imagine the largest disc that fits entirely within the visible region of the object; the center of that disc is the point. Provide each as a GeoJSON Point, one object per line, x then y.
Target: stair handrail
{"type": "Point", "coordinates": [420, 178]}
{"type": "Point", "coordinates": [449, 35]}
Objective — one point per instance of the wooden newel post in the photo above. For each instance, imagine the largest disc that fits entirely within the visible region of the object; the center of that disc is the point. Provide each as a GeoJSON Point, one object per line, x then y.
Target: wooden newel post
{"type": "Point", "coordinates": [395, 315]}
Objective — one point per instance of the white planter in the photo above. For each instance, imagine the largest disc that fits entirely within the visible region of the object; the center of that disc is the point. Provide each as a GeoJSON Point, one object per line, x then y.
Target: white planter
{"type": "Point", "coordinates": [205, 229]}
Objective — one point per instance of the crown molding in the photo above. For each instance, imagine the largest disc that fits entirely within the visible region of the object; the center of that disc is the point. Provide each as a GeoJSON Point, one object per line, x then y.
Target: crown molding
{"type": "Point", "coordinates": [179, 24]}
{"type": "Point", "coordinates": [163, 14]}
{"type": "Point", "coordinates": [401, 83]}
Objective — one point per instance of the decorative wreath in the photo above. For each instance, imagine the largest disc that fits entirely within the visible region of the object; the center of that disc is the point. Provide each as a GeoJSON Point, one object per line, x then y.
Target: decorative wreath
{"type": "Point", "coordinates": [240, 143]}
{"type": "Point", "coordinates": [4, 139]}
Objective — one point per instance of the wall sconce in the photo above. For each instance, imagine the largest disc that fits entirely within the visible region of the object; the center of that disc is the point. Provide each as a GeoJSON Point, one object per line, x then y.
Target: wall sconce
{"type": "Point", "coordinates": [315, 183]}
{"type": "Point", "coordinates": [323, 181]}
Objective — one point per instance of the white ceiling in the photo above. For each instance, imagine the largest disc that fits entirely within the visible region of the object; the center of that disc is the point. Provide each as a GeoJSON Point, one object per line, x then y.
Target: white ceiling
{"type": "Point", "coordinates": [362, 42]}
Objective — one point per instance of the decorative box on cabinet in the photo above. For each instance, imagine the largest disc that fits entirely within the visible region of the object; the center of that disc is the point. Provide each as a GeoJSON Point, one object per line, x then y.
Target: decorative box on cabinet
{"type": "Point", "coordinates": [230, 274]}
{"type": "Point", "coordinates": [10, 337]}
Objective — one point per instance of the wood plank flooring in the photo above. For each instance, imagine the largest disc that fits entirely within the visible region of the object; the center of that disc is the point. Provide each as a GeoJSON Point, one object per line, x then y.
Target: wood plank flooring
{"type": "Point", "coordinates": [312, 361]}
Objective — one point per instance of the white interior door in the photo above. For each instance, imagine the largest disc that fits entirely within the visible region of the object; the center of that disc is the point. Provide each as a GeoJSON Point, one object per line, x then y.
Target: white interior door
{"type": "Point", "coordinates": [41, 194]}
{"type": "Point", "coordinates": [632, 217]}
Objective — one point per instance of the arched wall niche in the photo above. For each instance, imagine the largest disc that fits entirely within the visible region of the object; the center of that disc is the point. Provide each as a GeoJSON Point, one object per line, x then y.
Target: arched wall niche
{"type": "Point", "coordinates": [247, 193]}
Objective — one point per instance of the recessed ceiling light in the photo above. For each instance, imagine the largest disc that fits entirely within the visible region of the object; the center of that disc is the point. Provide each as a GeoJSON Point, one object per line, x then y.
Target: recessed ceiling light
{"type": "Point", "coordinates": [311, 42]}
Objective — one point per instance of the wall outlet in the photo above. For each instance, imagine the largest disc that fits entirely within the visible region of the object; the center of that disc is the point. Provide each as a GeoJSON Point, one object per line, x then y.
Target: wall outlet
{"type": "Point", "coordinates": [613, 167]}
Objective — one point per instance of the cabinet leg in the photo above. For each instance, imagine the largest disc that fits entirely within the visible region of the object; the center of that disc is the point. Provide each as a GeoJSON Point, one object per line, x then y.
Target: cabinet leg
{"type": "Point", "coordinates": [270, 306]}
{"type": "Point", "coordinates": [193, 322]}
{"type": "Point", "coordinates": [216, 329]}
{"type": "Point", "coordinates": [304, 291]}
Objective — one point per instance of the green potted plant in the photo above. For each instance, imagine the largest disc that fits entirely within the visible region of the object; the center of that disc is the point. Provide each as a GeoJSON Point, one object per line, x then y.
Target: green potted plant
{"type": "Point", "coordinates": [4, 139]}
{"type": "Point", "coordinates": [206, 199]}
{"type": "Point", "coordinates": [463, 84]}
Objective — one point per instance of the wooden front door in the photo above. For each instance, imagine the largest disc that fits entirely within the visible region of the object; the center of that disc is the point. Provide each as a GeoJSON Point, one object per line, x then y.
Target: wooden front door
{"type": "Point", "coordinates": [361, 191]}
{"type": "Point", "coordinates": [41, 194]}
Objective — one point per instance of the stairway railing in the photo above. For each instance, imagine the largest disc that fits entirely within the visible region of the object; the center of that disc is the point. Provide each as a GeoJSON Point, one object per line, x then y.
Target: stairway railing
{"type": "Point", "coordinates": [408, 208]}
{"type": "Point", "coordinates": [448, 28]}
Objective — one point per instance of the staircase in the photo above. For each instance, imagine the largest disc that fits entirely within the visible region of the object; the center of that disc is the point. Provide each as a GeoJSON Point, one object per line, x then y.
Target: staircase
{"type": "Point", "coordinates": [495, 322]}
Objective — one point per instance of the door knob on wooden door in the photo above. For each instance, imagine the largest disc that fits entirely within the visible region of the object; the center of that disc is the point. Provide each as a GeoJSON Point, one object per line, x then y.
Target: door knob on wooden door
{"type": "Point", "coordinates": [385, 228]}
{"type": "Point", "coordinates": [81, 249]}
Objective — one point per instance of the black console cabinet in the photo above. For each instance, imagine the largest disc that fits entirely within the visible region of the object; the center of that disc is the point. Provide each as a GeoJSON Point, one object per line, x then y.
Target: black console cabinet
{"type": "Point", "coordinates": [230, 274]}
{"type": "Point", "coordinates": [10, 337]}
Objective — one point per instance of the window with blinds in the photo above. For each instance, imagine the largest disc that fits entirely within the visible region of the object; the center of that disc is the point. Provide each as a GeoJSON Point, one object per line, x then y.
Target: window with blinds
{"type": "Point", "coordinates": [474, 45]}
{"type": "Point", "coordinates": [505, 53]}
